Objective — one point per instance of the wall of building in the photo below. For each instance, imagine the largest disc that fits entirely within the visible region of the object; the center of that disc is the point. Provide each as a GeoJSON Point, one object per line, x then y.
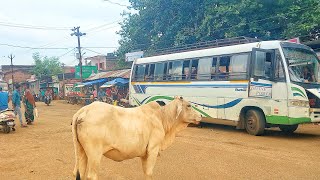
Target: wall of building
{"type": "Point", "coordinates": [18, 76]}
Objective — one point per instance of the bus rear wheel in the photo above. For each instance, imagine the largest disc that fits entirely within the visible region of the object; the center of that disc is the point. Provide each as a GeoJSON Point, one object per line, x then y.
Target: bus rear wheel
{"type": "Point", "coordinates": [255, 122]}
{"type": "Point", "coordinates": [288, 128]}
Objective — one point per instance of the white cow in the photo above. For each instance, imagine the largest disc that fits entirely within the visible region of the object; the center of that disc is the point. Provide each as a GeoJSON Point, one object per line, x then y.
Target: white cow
{"type": "Point", "coordinates": [125, 133]}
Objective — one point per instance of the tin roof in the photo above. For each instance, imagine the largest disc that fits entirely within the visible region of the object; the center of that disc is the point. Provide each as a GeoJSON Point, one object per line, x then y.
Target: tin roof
{"type": "Point", "coordinates": [123, 73]}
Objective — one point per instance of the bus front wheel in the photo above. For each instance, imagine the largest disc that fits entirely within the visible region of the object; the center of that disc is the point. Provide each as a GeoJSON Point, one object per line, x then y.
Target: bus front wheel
{"type": "Point", "coordinates": [255, 122]}
{"type": "Point", "coordinates": [288, 128]}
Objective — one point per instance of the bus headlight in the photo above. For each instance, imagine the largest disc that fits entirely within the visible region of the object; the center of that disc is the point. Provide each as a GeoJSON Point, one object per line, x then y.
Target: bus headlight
{"type": "Point", "coordinates": [299, 103]}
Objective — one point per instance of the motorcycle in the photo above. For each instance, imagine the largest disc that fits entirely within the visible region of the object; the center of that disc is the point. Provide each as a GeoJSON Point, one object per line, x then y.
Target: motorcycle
{"type": "Point", "coordinates": [47, 100]}
{"type": "Point", "coordinates": [7, 120]}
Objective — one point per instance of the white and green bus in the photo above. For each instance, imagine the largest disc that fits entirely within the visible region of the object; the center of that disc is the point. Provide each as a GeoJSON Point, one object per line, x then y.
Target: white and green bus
{"type": "Point", "coordinates": [252, 86]}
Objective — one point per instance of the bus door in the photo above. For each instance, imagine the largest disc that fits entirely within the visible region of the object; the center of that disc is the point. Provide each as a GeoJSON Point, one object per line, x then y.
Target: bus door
{"type": "Point", "coordinates": [260, 85]}
{"type": "Point", "coordinates": [267, 81]}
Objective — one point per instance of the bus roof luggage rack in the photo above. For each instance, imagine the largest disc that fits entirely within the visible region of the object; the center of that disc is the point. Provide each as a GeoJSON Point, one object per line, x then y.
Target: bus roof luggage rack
{"type": "Point", "coordinates": [207, 45]}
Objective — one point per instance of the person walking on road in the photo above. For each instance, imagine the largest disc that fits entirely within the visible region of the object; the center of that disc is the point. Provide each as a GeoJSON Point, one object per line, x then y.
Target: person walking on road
{"type": "Point", "coordinates": [29, 104]}
{"type": "Point", "coordinates": [16, 103]}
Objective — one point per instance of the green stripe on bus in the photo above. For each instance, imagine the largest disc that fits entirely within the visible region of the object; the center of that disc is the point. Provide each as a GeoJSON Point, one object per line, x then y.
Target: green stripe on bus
{"type": "Point", "coordinates": [299, 90]}
{"type": "Point", "coordinates": [159, 97]}
{"type": "Point", "coordinates": [205, 114]}
{"type": "Point", "coordinates": [171, 98]}
{"type": "Point", "coordinates": [287, 120]}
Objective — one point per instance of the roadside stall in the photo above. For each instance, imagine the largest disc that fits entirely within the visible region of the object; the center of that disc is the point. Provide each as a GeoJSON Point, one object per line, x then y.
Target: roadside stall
{"type": "Point", "coordinates": [118, 91]}
{"type": "Point", "coordinates": [74, 93]}
{"type": "Point", "coordinates": [89, 91]}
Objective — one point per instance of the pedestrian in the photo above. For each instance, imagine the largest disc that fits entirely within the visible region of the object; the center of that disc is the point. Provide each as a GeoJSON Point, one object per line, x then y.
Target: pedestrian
{"type": "Point", "coordinates": [4, 100]}
{"type": "Point", "coordinates": [114, 92]}
{"type": "Point", "coordinates": [29, 104]}
{"type": "Point", "coordinates": [16, 103]}
{"type": "Point", "coordinates": [42, 95]}
{"type": "Point", "coordinates": [101, 94]}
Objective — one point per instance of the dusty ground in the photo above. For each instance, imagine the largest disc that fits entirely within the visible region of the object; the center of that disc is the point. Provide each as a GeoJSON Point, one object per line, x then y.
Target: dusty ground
{"type": "Point", "coordinates": [45, 151]}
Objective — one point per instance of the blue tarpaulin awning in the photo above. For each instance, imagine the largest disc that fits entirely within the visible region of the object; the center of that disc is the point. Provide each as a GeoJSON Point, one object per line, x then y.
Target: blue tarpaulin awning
{"type": "Point", "coordinates": [94, 82]}
{"type": "Point", "coordinates": [117, 81]}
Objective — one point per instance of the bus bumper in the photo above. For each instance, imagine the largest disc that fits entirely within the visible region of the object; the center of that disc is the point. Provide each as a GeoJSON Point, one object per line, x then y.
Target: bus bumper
{"type": "Point", "coordinates": [315, 114]}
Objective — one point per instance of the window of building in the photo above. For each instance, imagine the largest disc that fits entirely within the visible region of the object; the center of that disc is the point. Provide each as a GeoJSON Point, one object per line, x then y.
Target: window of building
{"type": "Point", "coordinates": [101, 65]}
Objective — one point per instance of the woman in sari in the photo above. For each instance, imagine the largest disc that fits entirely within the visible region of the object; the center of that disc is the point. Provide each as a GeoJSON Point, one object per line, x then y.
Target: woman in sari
{"type": "Point", "coordinates": [30, 104]}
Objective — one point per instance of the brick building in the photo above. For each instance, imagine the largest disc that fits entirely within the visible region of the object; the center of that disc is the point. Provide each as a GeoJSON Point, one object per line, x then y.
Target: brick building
{"type": "Point", "coordinates": [19, 75]}
{"type": "Point", "coordinates": [103, 63]}
{"type": "Point", "coordinates": [6, 68]}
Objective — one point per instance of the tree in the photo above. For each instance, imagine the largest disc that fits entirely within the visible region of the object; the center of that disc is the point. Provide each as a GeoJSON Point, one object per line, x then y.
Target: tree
{"type": "Point", "coordinates": [46, 66]}
{"type": "Point", "coordinates": [167, 23]}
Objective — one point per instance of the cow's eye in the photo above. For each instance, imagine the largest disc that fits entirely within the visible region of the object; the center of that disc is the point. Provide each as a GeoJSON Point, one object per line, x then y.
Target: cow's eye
{"type": "Point", "coordinates": [189, 105]}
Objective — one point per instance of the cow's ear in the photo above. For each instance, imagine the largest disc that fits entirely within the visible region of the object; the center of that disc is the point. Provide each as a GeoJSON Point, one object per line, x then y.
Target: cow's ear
{"type": "Point", "coordinates": [179, 109]}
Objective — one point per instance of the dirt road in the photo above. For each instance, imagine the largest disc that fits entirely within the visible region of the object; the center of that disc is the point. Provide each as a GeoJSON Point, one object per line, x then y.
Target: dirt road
{"type": "Point", "coordinates": [45, 151]}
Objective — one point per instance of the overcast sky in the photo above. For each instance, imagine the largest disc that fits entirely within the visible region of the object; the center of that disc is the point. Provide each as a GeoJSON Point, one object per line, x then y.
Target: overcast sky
{"type": "Point", "coordinates": [98, 18]}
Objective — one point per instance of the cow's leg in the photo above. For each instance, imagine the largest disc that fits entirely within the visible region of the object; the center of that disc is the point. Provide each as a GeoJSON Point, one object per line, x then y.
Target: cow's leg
{"type": "Point", "coordinates": [149, 161]}
{"type": "Point", "coordinates": [83, 160]}
{"type": "Point", "coordinates": [94, 155]}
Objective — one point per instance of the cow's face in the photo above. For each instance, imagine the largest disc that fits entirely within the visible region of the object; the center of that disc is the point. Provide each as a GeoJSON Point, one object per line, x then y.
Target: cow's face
{"type": "Point", "coordinates": [185, 112]}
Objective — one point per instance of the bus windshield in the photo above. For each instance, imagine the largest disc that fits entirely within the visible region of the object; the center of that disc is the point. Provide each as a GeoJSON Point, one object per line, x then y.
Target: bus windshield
{"type": "Point", "coordinates": [303, 65]}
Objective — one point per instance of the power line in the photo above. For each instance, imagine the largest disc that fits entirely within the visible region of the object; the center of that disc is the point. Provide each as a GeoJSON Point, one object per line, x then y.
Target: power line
{"type": "Point", "coordinates": [66, 53]}
{"type": "Point", "coordinates": [103, 25]}
{"type": "Point", "coordinates": [32, 26]}
{"type": "Point", "coordinates": [94, 51]}
{"type": "Point", "coordinates": [27, 47]}
{"type": "Point", "coordinates": [58, 48]}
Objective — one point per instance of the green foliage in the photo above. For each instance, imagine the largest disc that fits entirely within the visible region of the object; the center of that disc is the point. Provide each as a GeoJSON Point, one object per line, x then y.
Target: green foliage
{"type": "Point", "coordinates": [166, 23]}
{"type": "Point", "coordinates": [46, 66]}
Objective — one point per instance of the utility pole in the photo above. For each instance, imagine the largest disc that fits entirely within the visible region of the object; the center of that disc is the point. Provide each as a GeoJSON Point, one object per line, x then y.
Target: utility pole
{"type": "Point", "coordinates": [11, 58]}
{"type": "Point", "coordinates": [77, 33]}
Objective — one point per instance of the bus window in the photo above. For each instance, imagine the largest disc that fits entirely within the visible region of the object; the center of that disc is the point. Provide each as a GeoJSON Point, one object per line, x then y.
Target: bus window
{"type": "Point", "coordinates": [165, 70]}
{"type": "Point", "coordinates": [204, 69]}
{"type": "Point", "coordinates": [279, 72]}
{"type": "Point", "coordinates": [159, 71]}
{"type": "Point", "coordinates": [146, 73]}
{"type": "Point", "coordinates": [151, 72]}
{"type": "Point", "coordinates": [169, 75]}
{"type": "Point", "coordinates": [139, 72]}
{"type": "Point", "coordinates": [186, 69]}
{"type": "Point", "coordinates": [194, 68]}
{"type": "Point", "coordinates": [213, 67]}
{"type": "Point", "coordinates": [224, 67]}
{"type": "Point", "coordinates": [176, 71]}
{"type": "Point", "coordinates": [268, 65]}
{"type": "Point", "coordinates": [238, 66]}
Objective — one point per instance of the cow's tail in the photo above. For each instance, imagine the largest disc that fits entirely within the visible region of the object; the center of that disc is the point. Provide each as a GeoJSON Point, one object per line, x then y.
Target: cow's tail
{"type": "Point", "coordinates": [77, 145]}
